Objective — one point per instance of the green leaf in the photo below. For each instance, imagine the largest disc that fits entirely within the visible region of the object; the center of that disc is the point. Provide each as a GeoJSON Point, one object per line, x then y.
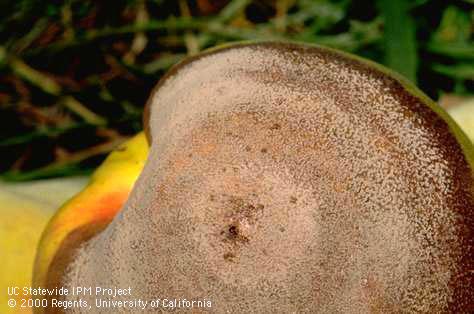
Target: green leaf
{"type": "Point", "coordinates": [455, 26]}
{"type": "Point", "coordinates": [460, 71]}
{"type": "Point", "coordinates": [399, 38]}
{"type": "Point", "coordinates": [45, 172]}
{"type": "Point", "coordinates": [453, 50]}
{"type": "Point", "coordinates": [231, 10]}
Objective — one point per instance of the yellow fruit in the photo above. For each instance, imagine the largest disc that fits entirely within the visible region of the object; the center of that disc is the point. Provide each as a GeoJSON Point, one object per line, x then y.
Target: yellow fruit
{"type": "Point", "coordinates": [463, 114]}
{"type": "Point", "coordinates": [94, 207]}
{"type": "Point", "coordinates": [25, 208]}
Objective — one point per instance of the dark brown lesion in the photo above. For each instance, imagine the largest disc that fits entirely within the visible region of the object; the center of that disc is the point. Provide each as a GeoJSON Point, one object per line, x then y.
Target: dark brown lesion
{"type": "Point", "coordinates": [234, 237]}
{"type": "Point", "coordinates": [240, 221]}
{"type": "Point", "coordinates": [235, 234]}
{"type": "Point", "coordinates": [240, 208]}
{"type": "Point", "coordinates": [229, 256]}
{"type": "Point", "coordinates": [275, 126]}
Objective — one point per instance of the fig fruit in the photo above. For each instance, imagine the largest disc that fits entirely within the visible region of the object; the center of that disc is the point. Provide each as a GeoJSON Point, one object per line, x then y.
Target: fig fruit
{"type": "Point", "coordinates": [287, 178]}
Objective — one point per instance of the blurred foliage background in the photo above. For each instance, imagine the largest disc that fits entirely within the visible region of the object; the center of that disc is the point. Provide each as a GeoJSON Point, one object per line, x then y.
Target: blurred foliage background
{"type": "Point", "coordinates": [75, 74]}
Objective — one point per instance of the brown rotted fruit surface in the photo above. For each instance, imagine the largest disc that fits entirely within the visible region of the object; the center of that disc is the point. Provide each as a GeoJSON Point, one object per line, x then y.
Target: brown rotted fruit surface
{"type": "Point", "coordinates": [286, 178]}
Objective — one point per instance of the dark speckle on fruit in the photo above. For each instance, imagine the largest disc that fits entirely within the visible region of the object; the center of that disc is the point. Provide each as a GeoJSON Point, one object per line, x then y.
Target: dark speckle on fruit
{"type": "Point", "coordinates": [275, 126]}
{"type": "Point", "coordinates": [229, 256]}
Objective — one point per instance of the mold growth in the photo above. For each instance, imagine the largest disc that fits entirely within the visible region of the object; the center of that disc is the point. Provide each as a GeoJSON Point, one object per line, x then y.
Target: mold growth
{"type": "Point", "coordinates": [287, 172]}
